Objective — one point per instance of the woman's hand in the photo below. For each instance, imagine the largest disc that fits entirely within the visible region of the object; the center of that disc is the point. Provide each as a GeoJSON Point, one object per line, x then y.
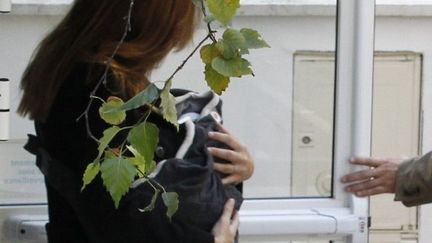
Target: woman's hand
{"type": "Point", "coordinates": [226, 227]}
{"type": "Point", "coordinates": [241, 167]}
{"type": "Point", "coordinates": [379, 178]}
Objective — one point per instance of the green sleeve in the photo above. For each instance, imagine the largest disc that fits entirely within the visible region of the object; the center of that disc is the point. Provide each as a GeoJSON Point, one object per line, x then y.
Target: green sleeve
{"type": "Point", "coordinates": [414, 181]}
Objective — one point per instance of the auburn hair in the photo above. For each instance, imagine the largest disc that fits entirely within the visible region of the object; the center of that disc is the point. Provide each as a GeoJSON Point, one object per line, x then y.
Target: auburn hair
{"type": "Point", "coordinates": [90, 32]}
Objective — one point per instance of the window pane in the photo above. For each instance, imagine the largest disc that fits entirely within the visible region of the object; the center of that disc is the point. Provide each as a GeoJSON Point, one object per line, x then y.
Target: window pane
{"type": "Point", "coordinates": [312, 137]}
{"type": "Point", "coordinates": [285, 114]}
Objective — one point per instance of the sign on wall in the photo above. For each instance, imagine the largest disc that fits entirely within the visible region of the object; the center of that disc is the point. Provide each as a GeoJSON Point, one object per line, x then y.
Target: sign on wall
{"type": "Point", "coordinates": [21, 182]}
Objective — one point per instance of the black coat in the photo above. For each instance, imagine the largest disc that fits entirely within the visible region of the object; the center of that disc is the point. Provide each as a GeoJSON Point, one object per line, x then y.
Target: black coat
{"type": "Point", "coordinates": [63, 151]}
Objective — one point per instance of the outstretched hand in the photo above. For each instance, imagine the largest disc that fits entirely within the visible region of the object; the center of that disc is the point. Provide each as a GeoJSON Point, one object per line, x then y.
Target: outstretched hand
{"type": "Point", "coordinates": [379, 178]}
{"type": "Point", "coordinates": [242, 165]}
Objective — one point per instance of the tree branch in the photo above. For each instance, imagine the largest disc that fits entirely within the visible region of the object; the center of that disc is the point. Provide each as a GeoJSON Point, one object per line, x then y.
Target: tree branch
{"type": "Point", "coordinates": [188, 57]}
{"type": "Point", "coordinates": [210, 30]}
{"type": "Point", "coordinates": [103, 79]}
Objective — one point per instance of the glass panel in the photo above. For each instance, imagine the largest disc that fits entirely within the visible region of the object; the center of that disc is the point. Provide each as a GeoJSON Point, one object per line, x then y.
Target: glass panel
{"type": "Point", "coordinates": [285, 113]}
{"type": "Point", "coordinates": [312, 137]}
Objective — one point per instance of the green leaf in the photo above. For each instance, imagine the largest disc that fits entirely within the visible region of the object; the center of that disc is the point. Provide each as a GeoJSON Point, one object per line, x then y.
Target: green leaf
{"type": "Point", "coordinates": [109, 154]}
{"type": "Point", "coordinates": [233, 43]}
{"type": "Point", "coordinates": [209, 52]}
{"type": "Point", "coordinates": [148, 95]}
{"type": "Point", "coordinates": [150, 166]}
{"type": "Point", "coordinates": [90, 173]}
{"type": "Point", "coordinates": [228, 51]}
{"type": "Point", "coordinates": [171, 201]}
{"type": "Point", "coordinates": [140, 167]}
{"type": "Point", "coordinates": [235, 67]}
{"type": "Point", "coordinates": [253, 39]}
{"type": "Point", "coordinates": [221, 47]}
{"type": "Point", "coordinates": [141, 163]}
{"type": "Point", "coordinates": [117, 175]}
{"type": "Point", "coordinates": [168, 105]}
{"type": "Point", "coordinates": [144, 138]}
{"type": "Point", "coordinates": [235, 40]}
{"type": "Point", "coordinates": [152, 203]}
{"type": "Point", "coordinates": [113, 118]}
{"type": "Point", "coordinates": [108, 135]}
{"type": "Point", "coordinates": [223, 10]}
{"type": "Point", "coordinates": [216, 81]}
{"type": "Point", "coordinates": [138, 160]}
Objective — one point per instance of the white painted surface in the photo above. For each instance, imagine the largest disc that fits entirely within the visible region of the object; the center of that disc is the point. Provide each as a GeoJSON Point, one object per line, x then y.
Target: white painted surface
{"type": "Point", "coordinates": [4, 94]}
{"type": "Point", "coordinates": [255, 7]}
{"type": "Point", "coordinates": [19, 37]}
{"type": "Point", "coordinates": [5, 6]}
{"type": "Point", "coordinates": [4, 125]}
{"type": "Point", "coordinates": [4, 109]}
{"type": "Point", "coordinates": [396, 108]}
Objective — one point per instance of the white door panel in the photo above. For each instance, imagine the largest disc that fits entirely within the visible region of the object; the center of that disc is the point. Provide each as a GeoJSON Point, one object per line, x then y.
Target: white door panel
{"type": "Point", "coordinates": [396, 107]}
{"type": "Point", "coordinates": [23, 224]}
{"type": "Point", "coordinates": [395, 132]}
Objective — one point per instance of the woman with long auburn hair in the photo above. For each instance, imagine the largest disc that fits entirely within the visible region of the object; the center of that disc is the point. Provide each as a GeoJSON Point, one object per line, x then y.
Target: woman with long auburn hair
{"type": "Point", "coordinates": [57, 84]}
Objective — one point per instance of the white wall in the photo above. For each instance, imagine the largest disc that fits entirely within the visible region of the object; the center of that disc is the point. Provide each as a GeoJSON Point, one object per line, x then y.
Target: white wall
{"type": "Point", "coordinates": [19, 35]}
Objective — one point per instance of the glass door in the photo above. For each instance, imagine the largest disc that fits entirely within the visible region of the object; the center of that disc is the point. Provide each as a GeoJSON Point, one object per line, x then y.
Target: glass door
{"type": "Point", "coordinates": [303, 120]}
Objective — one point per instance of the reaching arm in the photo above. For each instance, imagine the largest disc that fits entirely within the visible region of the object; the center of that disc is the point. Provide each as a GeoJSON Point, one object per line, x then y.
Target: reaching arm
{"type": "Point", "coordinates": [379, 178]}
{"type": "Point", "coordinates": [410, 180]}
{"type": "Point", "coordinates": [414, 181]}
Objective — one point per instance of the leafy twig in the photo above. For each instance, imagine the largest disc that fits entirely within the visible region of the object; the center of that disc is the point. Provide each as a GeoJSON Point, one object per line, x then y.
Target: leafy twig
{"type": "Point", "coordinates": [188, 57]}
{"type": "Point", "coordinates": [103, 79]}
{"type": "Point", "coordinates": [143, 118]}
{"type": "Point", "coordinates": [151, 181]}
{"type": "Point", "coordinates": [210, 30]}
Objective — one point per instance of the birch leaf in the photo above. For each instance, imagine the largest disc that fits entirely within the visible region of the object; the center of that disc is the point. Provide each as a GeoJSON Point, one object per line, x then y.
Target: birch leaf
{"type": "Point", "coordinates": [168, 105]}
{"type": "Point", "coordinates": [148, 95]}
{"type": "Point", "coordinates": [90, 173]}
{"type": "Point", "coordinates": [117, 175]}
{"type": "Point", "coordinates": [113, 118]}
{"type": "Point", "coordinates": [235, 67]}
{"type": "Point", "coordinates": [144, 138]}
{"type": "Point", "coordinates": [216, 81]}
{"type": "Point", "coordinates": [253, 39]}
{"type": "Point", "coordinates": [171, 201]}
{"type": "Point", "coordinates": [223, 10]}
{"type": "Point", "coordinates": [108, 135]}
